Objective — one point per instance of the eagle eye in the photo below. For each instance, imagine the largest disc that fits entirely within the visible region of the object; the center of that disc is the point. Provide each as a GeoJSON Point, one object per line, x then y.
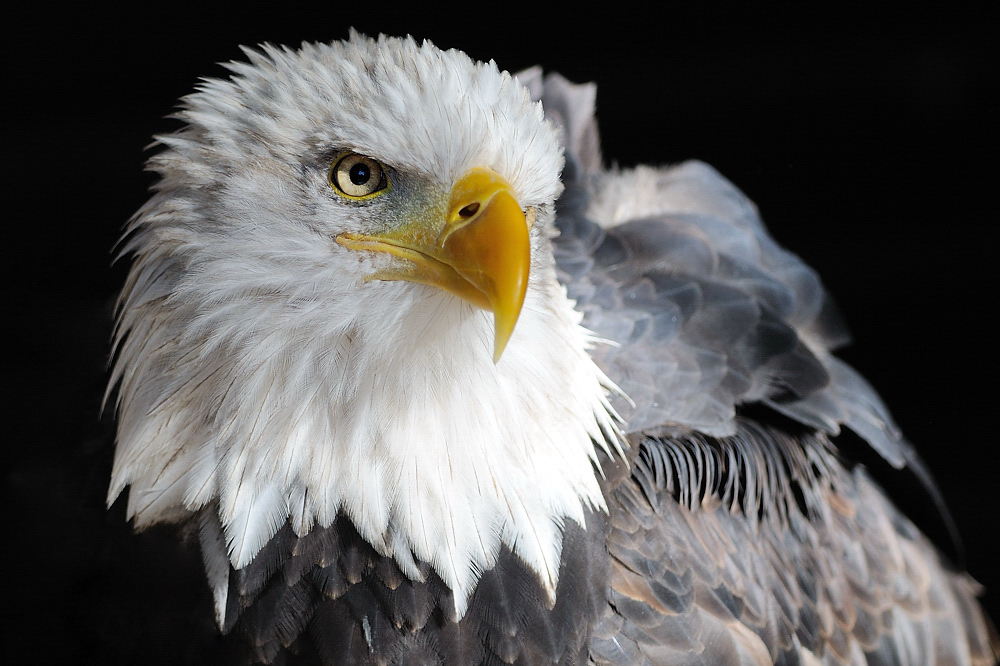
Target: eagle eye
{"type": "Point", "coordinates": [358, 177]}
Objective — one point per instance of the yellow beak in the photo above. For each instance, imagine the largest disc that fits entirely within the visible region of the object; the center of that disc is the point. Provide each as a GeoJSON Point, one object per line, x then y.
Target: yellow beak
{"type": "Point", "coordinates": [478, 249]}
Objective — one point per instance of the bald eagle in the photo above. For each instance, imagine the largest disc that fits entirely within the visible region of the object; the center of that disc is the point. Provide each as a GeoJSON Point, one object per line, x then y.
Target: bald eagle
{"type": "Point", "coordinates": [432, 386]}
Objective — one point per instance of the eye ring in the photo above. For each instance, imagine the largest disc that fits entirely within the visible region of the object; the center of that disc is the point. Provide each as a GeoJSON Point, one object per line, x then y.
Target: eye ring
{"type": "Point", "coordinates": [358, 177]}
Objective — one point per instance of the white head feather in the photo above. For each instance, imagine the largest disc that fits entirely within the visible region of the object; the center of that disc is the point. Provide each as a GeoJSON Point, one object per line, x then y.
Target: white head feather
{"type": "Point", "coordinates": [259, 369]}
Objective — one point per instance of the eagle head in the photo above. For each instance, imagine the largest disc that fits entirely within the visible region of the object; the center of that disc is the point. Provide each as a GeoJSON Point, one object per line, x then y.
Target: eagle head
{"type": "Point", "coordinates": [343, 301]}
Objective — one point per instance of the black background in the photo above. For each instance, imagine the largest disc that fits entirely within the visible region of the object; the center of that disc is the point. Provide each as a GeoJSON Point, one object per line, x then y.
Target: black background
{"type": "Point", "coordinates": [867, 141]}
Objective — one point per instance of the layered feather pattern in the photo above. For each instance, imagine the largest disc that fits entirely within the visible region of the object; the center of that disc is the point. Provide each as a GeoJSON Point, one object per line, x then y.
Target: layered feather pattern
{"type": "Point", "coordinates": [650, 474]}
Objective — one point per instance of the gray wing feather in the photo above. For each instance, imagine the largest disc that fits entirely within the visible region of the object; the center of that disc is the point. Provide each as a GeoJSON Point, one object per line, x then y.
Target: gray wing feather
{"type": "Point", "coordinates": [701, 309]}
{"type": "Point", "coordinates": [704, 313]}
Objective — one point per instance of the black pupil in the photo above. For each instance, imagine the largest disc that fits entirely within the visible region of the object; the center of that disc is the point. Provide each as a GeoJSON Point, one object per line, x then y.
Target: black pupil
{"type": "Point", "coordinates": [361, 173]}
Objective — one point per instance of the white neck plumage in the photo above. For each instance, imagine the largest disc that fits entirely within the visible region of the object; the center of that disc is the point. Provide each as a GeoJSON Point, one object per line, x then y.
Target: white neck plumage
{"type": "Point", "coordinates": [378, 414]}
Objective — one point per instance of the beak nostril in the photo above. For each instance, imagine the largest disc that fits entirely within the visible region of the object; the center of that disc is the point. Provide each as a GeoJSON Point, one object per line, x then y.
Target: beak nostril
{"type": "Point", "coordinates": [469, 211]}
